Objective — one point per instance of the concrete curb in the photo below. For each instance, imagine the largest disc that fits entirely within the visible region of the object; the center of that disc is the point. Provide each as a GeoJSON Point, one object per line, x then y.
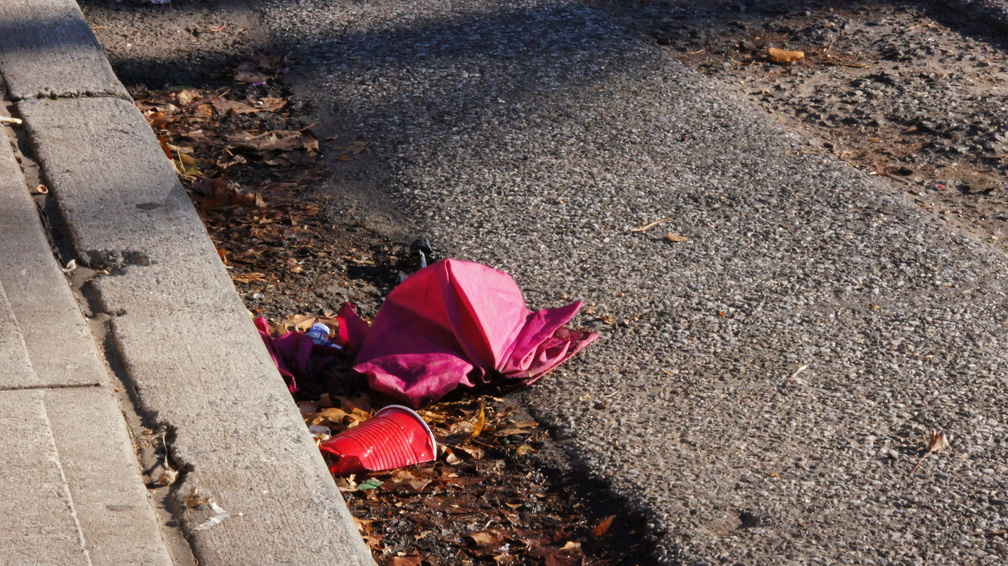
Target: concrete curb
{"type": "Point", "coordinates": [185, 340]}
{"type": "Point", "coordinates": [47, 50]}
{"type": "Point", "coordinates": [70, 488]}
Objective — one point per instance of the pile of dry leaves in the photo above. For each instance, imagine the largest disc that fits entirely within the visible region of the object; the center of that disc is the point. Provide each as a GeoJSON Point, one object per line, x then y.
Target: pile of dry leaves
{"type": "Point", "coordinates": [252, 174]}
{"type": "Point", "coordinates": [244, 169]}
{"type": "Point", "coordinates": [482, 501]}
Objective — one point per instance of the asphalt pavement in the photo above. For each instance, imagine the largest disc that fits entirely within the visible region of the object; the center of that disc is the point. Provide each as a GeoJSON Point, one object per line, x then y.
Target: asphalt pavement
{"type": "Point", "coordinates": [781, 333]}
{"type": "Point", "coordinates": [131, 338]}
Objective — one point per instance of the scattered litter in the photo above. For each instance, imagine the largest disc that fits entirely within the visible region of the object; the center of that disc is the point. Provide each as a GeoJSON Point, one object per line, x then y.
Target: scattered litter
{"type": "Point", "coordinates": [370, 484]}
{"type": "Point", "coordinates": [422, 249]}
{"type": "Point", "coordinates": [195, 501]}
{"type": "Point", "coordinates": [394, 437]}
{"type": "Point", "coordinates": [675, 238]}
{"type": "Point", "coordinates": [70, 266]}
{"type": "Point", "coordinates": [218, 516]}
{"type": "Point", "coordinates": [319, 334]}
{"type": "Point", "coordinates": [309, 368]}
{"type": "Point", "coordinates": [9, 120]}
{"type": "Point", "coordinates": [41, 190]}
{"type": "Point", "coordinates": [319, 431]}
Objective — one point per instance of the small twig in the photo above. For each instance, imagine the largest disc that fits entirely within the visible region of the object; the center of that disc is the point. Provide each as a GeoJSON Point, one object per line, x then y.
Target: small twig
{"type": "Point", "coordinates": [890, 176]}
{"type": "Point", "coordinates": [799, 370]}
{"type": "Point", "coordinates": [650, 225]}
{"type": "Point", "coordinates": [851, 65]}
{"type": "Point", "coordinates": [9, 120]}
{"type": "Point", "coordinates": [828, 47]}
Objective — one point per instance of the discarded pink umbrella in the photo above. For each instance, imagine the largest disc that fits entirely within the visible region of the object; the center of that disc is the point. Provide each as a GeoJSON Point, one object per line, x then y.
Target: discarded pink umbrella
{"type": "Point", "coordinates": [452, 324]}
{"type": "Point", "coordinates": [461, 324]}
{"type": "Point", "coordinates": [393, 438]}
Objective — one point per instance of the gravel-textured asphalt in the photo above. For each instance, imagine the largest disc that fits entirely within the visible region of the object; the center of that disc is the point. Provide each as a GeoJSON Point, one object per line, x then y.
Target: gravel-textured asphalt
{"type": "Point", "coordinates": [536, 137]}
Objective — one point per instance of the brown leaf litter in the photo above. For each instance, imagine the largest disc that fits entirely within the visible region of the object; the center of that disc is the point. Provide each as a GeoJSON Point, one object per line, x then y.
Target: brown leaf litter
{"type": "Point", "coordinates": [250, 168]}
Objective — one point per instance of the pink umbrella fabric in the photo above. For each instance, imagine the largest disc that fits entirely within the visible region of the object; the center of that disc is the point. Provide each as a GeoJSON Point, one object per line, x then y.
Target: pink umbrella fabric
{"type": "Point", "coordinates": [310, 369]}
{"type": "Point", "coordinates": [461, 324]}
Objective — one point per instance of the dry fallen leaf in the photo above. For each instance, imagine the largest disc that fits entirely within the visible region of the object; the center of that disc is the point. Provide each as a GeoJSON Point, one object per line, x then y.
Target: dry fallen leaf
{"type": "Point", "coordinates": [481, 419]}
{"type": "Point", "coordinates": [269, 104]}
{"type": "Point", "coordinates": [299, 322]}
{"type": "Point", "coordinates": [158, 119]}
{"type": "Point", "coordinates": [186, 96]}
{"type": "Point", "coordinates": [163, 140]}
{"type": "Point", "coordinates": [937, 442]}
{"type": "Point", "coordinates": [274, 141]}
{"type": "Point", "coordinates": [375, 543]}
{"type": "Point", "coordinates": [571, 546]}
{"type": "Point", "coordinates": [675, 237]}
{"type": "Point", "coordinates": [525, 449]}
{"type": "Point", "coordinates": [195, 500]}
{"type": "Point", "coordinates": [335, 416]}
{"type": "Point", "coordinates": [219, 193]}
{"type": "Point", "coordinates": [188, 164]}
{"type": "Point", "coordinates": [415, 483]}
{"type": "Point", "coordinates": [483, 539]}
{"type": "Point", "coordinates": [203, 112]}
{"type": "Point", "coordinates": [603, 527]}
{"type": "Point", "coordinates": [516, 428]}
{"type": "Point", "coordinates": [224, 106]}
{"type": "Point", "coordinates": [783, 56]}
{"type": "Point", "coordinates": [248, 277]}
{"type": "Point", "coordinates": [472, 452]}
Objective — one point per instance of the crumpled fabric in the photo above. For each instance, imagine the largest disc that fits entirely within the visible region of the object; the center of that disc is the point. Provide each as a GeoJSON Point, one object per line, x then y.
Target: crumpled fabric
{"type": "Point", "coordinates": [311, 369]}
{"type": "Point", "coordinates": [461, 324]}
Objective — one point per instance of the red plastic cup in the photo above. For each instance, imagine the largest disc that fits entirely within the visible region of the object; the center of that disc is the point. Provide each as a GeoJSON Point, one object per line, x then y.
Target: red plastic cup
{"type": "Point", "coordinates": [393, 438]}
